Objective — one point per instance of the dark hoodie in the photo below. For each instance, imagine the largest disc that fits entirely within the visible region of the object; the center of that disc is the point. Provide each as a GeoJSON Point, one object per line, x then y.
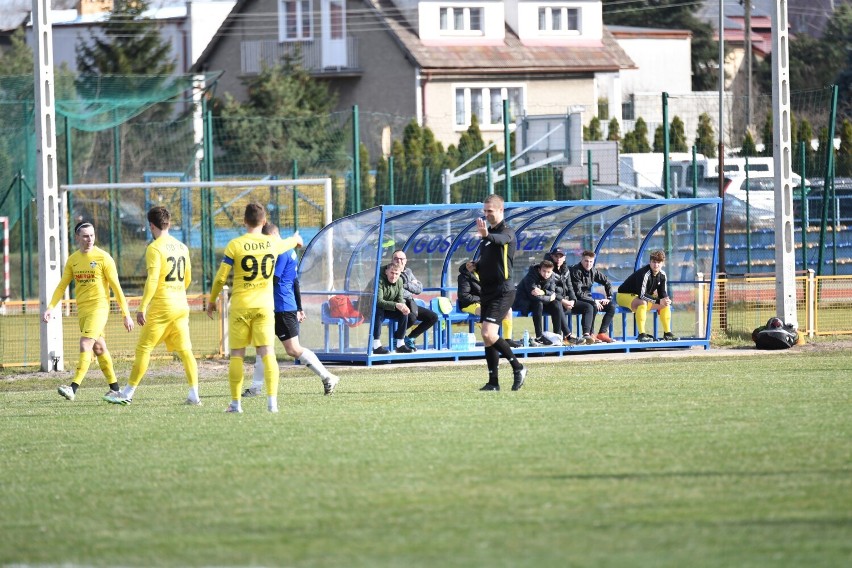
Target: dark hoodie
{"type": "Point", "coordinates": [564, 289]}
{"type": "Point", "coordinates": [523, 295]}
{"type": "Point", "coordinates": [469, 290]}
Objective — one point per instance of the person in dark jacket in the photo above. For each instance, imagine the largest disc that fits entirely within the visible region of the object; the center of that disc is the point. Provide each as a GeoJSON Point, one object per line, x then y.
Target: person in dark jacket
{"type": "Point", "coordinates": [584, 276]}
{"type": "Point", "coordinates": [536, 294]}
{"type": "Point", "coordinates": [646, 290]}
{"type": "Point", "coordinates": [470, 298]}
{"type": "Point", "coordinates": [496, 257]}
{"type": "Point", "coordinates": [565, 295]}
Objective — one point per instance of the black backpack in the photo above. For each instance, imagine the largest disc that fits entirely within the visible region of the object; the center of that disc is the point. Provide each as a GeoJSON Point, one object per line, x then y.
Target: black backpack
{"type": "Point", "coordinates": [775, 335]}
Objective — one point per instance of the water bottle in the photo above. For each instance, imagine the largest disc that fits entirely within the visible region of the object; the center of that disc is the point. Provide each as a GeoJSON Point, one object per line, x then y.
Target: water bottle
{"type": "Point", "coordinates": [526, 340]}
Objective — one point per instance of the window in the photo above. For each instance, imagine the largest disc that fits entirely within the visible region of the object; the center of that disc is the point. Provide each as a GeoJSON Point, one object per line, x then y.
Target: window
{"type": "Point", "coordinates": [560, 20]}
{"type": "Point", "coordinates": [457, 19]}
{"type": "Point", "coordinates": [294, 20]}
{"type": "Point", "coordinates": [486, 103]}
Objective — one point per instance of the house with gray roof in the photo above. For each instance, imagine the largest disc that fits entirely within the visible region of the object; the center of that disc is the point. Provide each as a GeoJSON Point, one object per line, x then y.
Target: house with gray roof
{"type": "Point", "coordinates": [438, 61]}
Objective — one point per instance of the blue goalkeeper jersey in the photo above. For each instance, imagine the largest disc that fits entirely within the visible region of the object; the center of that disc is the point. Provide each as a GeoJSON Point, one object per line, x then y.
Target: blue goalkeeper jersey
{"type": "Point", "coordinates": [283, 290]}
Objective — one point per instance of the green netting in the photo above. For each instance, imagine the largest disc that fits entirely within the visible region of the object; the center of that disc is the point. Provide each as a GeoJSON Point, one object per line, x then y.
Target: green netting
{"type": "Point", "coordinates": [100, 102]}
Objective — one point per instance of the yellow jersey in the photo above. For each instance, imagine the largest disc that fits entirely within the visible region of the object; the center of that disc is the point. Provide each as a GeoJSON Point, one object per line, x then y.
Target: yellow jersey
{"type": "Point", "coordinates": [252, 257]}
{"type": "Point", "coordinates": [169, 275]}
{"type": "Point", "coordinates": [93, 274]}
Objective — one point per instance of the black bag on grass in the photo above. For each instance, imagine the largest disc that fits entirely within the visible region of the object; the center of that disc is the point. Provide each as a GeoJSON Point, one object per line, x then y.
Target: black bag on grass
{"type": "Point", "coordinates": [775, 335]}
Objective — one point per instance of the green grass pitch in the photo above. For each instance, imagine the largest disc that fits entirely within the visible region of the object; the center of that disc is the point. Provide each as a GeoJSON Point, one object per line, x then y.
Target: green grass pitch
{"type": "Point", "coordinates": [712, 461]}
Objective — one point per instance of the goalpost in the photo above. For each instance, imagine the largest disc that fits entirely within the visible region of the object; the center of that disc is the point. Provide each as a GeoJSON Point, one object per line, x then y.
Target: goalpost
{"type": "Point", "coordinates": [205, 215]}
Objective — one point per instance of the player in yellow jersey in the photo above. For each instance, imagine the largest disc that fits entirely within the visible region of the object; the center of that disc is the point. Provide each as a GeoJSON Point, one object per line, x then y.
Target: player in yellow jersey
{"type": "Point", "coordinates": [251, 319]}
{"type": "Point", "coordinates": [93, 272]}
{"type": "Point", "coordinates": [164, 311]}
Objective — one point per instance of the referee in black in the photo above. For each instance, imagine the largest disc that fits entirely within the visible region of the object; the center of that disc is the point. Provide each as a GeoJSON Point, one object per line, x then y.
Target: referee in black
{"type": "Point", "coordinates": [496, 256]}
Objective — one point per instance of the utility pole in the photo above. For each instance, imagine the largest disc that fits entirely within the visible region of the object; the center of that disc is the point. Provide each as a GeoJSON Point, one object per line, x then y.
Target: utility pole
{"type": "Point", "coordinates": [748, 56]}
{"type": "Point", "coordinates": [47, 190]}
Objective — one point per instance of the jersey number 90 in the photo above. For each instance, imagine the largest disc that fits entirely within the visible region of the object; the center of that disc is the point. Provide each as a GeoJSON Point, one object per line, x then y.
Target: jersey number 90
{"type": "Point", "coordinates": [252, 267]}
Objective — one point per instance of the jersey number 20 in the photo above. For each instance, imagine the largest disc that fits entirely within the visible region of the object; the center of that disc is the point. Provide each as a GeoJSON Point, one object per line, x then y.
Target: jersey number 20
{"type": "Point", "coordinates": [178, 271]}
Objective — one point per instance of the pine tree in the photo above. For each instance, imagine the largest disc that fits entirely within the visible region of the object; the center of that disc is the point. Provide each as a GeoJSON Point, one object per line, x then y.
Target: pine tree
{"type": "Point", "coordinates": [705, 138]}
{"type": "Point", "coordinates": [614, 133]}
{"type": "Point", "coordinates": [595, 133]}
{"type": "Point", "coordinates": [286, 117]}
{"type": "Point", "coordinates": [640, 136]}
{"type": "Point", "coordinates": [659, 139]}
{"type": "Point", "coordinates": [806, 135]}
{"type": "Point", "coordinates": [766, 135]}
{"type": "Point", "coordinates": [844, 154]}
{"type": "Point", "coordinates": [412, 142]}
{"type": "Point", "coordinates": [127, 44]}
{"type": "Point", "coordinates": [17, 59]}
{"type": "Point", "coordinates": [749, 148]}
{"type": "Point", "coordinates": [677, 135]}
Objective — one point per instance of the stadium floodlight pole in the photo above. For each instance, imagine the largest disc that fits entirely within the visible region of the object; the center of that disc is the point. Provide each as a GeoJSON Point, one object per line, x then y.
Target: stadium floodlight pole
{"type": "Point", "coordinates": [785, 245]}
{"type": "Point", "coordinates": [49, 225]}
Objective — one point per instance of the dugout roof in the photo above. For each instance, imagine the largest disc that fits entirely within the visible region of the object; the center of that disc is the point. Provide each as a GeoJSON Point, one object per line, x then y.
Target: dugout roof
{"type": "Point", "coordinates": [346, 256]}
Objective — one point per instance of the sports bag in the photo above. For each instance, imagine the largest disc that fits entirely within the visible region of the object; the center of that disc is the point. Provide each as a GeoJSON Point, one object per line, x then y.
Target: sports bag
{"type": "Point", "coordinates": [775, 335]}
{"type": "Point", "coordinates": [340, 306]}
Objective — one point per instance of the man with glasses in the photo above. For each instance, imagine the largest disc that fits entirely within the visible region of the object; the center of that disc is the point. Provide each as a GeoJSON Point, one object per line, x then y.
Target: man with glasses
{"type": "Point", "coordinates": [411, 286]}
{"type": "Point", "coordinates": [93, 272]}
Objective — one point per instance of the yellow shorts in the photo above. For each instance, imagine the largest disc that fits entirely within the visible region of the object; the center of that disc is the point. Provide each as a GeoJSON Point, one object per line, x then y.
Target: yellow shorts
{"type": "Point", "coordinates": [93, 322]}
{"type": "Point", "coordinates": [251, 327]}
{"type": "Point", "coordinates": [471, 309]}
{"type": "Point", "coordinates": [171, 327]}
{"type": "Point", "coordinates": [625, 300]}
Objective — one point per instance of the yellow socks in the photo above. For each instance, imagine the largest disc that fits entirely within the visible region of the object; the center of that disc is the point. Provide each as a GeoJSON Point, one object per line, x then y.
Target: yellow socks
{"type": "Point", "coordinates": [190, 367]}
{"type": "Point", "coordinates": [235, 377]}
{"type": "Point", "coordinates": [507, 328]}
{"type": "Point", "coordinates": [82, 366]}
{"type": "Point", "coordinates": [666, 319]}
{"type": "Point", "coordinates": [140, 366]}
{"type": "Point", "coordinates": [270, 374]}
{"type": "Point", "coordinates": [641, 317]}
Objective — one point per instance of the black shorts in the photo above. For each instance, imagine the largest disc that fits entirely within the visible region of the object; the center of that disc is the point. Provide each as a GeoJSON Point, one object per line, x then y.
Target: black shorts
{"type": "Point", "coordinates": [496, 306]}
{"type": "Point", "coordinates": [286, 325]}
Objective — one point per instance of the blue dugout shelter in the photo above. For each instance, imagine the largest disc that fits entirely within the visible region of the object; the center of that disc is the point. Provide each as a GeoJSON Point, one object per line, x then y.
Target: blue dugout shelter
{"type": "Point", "coordinates": [346, 257]}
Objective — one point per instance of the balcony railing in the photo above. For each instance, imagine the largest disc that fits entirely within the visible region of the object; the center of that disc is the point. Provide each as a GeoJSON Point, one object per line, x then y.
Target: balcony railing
{"type": "Point", "coordinates": [307, 54]}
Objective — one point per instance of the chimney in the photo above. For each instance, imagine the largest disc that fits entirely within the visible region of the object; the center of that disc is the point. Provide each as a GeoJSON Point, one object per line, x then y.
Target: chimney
{"type": "Point", "coordinates": [88, 7]}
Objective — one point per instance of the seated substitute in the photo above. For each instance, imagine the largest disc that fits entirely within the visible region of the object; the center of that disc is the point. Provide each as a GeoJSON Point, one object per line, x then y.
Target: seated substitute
{"type": "Point", "coordinates": [536, 293]}
{"type": "Point", "coordinates": [411, 287]}
{"type": "Point", "coordinates": [584, 276]}
{"type": "Point", "coordinates": [646, 290]}
{"type": "Point", "coordinates": [390, 303]}
{"type": "Point", "coordinates": [470, 298]}
{"type": "Point", "coordinates": [565, 295]}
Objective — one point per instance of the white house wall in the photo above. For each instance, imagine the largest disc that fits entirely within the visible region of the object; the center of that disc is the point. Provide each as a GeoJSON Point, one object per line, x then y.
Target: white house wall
{"type": "Point", "coordinates": [543, 97]}
{"type": "Point", "coordinates": [662, 65]}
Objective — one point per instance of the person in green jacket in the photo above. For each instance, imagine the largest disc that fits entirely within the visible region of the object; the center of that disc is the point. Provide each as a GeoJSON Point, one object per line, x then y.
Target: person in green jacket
{"type": "Point", "coordinates": [390, 304]}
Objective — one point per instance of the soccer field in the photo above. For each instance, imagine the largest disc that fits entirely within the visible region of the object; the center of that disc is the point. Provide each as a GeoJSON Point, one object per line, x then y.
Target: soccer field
{"type": "Point", "coordinates": [712, 460]}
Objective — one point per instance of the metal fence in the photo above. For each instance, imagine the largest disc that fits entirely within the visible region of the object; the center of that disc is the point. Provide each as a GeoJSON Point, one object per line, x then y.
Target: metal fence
{"type": "Point", "coordinates": [741, 303]}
